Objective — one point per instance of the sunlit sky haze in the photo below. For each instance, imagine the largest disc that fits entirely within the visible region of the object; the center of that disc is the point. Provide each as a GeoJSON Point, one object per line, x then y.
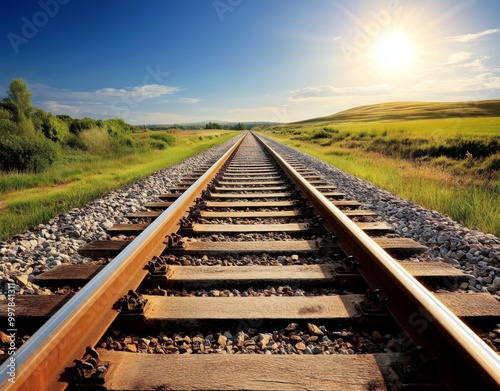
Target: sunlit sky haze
{"type": "Point", "coordinates": [165, 61]}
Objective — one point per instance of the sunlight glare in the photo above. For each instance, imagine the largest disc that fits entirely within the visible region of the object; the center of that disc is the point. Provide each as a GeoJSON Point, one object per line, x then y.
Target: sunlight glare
{"type": "Point", "coordinates": [394, 51]}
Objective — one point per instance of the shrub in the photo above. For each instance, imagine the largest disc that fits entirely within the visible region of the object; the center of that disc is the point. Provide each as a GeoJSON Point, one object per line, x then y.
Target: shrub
{"type": "Point", "coordinates": [157, 144]}
{"type": "Point", "coordinates": [116, 126]}
{"type": "Point", "coordinates": [331, 130]}
{"type": "Point", "coordinates": [75, 142]}
{"type": "Point", "coordinates": [126, 142]}
{"type": "Point", "coordinates": [79, 125]}
{"type": "Point", "coordinates": [96, 141]}
{"type": "Point", "coordinates": [7, 125]}
{"type": "Point", "coordinates": [167, 138]}
{"type": "Point", "coordinates": [443, 161]}
{"type": "Point", "coordinates": [55, 129]}
{"type": "Point", "coordinates": [65, 118]}
{"type": "Point", "coordinates": [321, 133]}
{"type": "Point", "coordinates": [360, 136]}
{"type": "Point", "coordinates": [33, 154]}
{"type": "Point", "coordinates": [492, 163]}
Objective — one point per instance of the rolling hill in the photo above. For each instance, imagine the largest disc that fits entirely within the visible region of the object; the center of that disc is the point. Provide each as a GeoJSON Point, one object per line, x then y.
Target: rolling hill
{"type": "Point", "coordinates": [412, 111]}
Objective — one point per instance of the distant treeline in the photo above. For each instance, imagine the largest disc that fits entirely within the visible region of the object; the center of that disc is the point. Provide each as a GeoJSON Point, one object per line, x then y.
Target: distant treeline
{"type": "Point", "coordinates": [209, 125]}
{"type": "Point", "coordinates": [32, 139]}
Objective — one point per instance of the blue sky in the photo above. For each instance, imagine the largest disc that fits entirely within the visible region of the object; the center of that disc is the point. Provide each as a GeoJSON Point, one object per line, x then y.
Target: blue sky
{"type": "Point", "coordinates": [165, 61]}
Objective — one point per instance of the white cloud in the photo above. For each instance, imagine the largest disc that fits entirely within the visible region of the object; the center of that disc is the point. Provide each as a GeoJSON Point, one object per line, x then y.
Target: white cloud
{"type": "Point", "coordinates": [463, 60]}
{"type": "Point", "coordinates": [103, 103]}
{"type": "Point", "coordinates": [476, 65]}
{"type": "Point", "coordinates": [328, 92]}
{"type": "Point", "coordinates": [189, 100]}
{"type": "Point", "coordinates": [147, 91]}
{"type": "Point", "coordinates": [482, 84]}
{"type": "Point", "coordinates": [103, 95]}
{"type": "Point", "coordinates": [61, 108]}
{"type": "Point", "coordinates": [459, 57]}
{"type": "Point", "coordinates": [472, 36]}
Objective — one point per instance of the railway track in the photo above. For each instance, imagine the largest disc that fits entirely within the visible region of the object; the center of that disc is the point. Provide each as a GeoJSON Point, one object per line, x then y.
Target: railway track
{"type": "Point", "coordinates": [255, 274]}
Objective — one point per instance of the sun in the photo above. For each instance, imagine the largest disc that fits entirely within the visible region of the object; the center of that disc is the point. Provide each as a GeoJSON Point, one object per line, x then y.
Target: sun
{"type": "Point", "coordinates": [394, 51]}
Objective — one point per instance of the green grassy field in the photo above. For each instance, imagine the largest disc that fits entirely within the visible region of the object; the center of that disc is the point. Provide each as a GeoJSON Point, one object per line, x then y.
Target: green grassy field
{"type": "Point", "coordinates": [445, 157]}
{"type": "Point", "coordinates": [30, 199]}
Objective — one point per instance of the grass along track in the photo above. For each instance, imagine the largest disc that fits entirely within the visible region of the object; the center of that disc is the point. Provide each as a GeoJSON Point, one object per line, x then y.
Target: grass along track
{"type": "Point", "coordinates": [29, 199]}
{"type": "Point", "coordinates": [465, 189]}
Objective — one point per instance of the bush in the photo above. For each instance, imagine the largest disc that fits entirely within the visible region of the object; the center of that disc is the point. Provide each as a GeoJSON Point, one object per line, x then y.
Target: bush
{"type": "Point", "coordinates": [492, 163]}
{"type": "Point", "coordinates": [7, 126]}
{"type": "Point", "coordinates": [167, 138]}
{"type": "Point", "coordinates": [321, 133]}
{"type": "Point", "coordinates": [157, 144]}
{"type": "Point", "coordinates": [55, 129]}
{"type": "Point", "coordinates": [360, 136]}
{"type": "Point", "coordinates": [34, 154]}
{"type": "Point", "coordinates": [443, 162]}
{"type": "Point", "coordinates": [125, 142]}
{"type": "Point", "coordinates": [116, 126]}
{"type": "Point", "coordinates": [96, 141]}
{"type": "Point", "coordinates": [75, 142]}
{"type": "Point", "coordinates": [331, 130]}
{"type": "Point", "coordinates": [79, 125]}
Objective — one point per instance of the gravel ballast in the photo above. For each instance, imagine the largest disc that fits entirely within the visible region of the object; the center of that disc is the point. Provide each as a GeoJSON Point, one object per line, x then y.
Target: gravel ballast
{"type": "Point", "coordinates": [294, 339]}
{"type": "Point", "coordinates": [55, 243]}
{"type": "Point", "coordinates": [473, 251]}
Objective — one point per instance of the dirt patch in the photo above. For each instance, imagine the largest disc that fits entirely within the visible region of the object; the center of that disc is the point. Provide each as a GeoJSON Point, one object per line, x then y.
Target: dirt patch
{"type": "Point", "coordinates": [62, 185]}
{"type": "Point", "coordinates": [2, 205]}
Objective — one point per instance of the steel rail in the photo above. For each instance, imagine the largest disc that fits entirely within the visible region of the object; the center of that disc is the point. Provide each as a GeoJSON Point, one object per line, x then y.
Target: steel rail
{"type": "Point", "coordinates": [41, 361]}
{"type": "Point", "coordinates": [464, 361]}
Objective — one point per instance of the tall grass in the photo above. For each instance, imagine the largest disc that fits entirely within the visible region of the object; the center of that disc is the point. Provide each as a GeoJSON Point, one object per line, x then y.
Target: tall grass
{"type": "Point", "coordinates": [28, 200]}
{"type": "Point", "coordinates": [469, 196]}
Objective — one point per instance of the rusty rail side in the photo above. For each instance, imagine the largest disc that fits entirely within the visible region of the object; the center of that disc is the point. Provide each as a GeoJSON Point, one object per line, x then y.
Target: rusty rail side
{"type": "Point", "coordinates": [464, 362]}
{"type": "Point", "coordinates": [40, 362]}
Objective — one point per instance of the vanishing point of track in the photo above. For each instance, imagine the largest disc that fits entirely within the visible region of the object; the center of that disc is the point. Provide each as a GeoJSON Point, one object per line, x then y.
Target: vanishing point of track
{"type": "Point", "coordinates": [252, 189]}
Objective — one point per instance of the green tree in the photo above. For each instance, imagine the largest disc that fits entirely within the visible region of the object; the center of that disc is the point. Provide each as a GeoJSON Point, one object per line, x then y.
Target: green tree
{"type": "Point", "coordinates": [18, 100]}
{"type": "Point", "coordinates": [55, 129]}
{"type": "Point", "coordinates": [240, 126]}
{"type": "Point", "coordinates": [65, 118]}
{"type": "Point", "coordinates": [7, 126]}
{"type": "Point", "coordinates": [213, 125]}
{"type": "Point", "coordinates": [38, 118]}
{"type": "Point", "coordinates": [23, 146]}
{"type": "Point", "coordinates": [79, 125]}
